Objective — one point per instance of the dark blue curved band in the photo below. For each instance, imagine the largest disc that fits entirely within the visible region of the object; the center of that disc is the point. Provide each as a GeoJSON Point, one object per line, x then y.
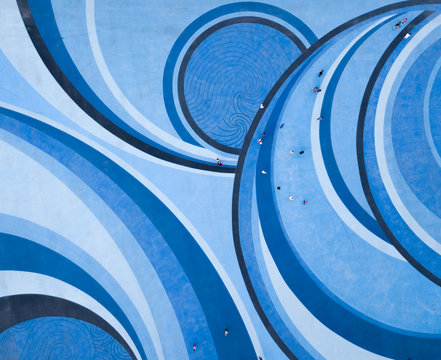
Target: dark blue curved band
{"type": "Point", "coordinates": [45, 35]}
{"type": "Point", "coordinates": [16, 309]}
{"type": "Point", "coordinates": [191, 29]}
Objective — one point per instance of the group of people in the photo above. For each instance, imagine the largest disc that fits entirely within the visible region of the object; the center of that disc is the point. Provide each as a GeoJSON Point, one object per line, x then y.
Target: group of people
{"type": "Point", "coordinates": [402, 23]}
{"type": "Point", "coordinates": [316, 89]}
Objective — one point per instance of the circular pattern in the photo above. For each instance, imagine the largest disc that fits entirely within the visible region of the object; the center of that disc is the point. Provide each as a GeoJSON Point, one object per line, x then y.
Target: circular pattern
{"type": "Point", "coordinates": [237, 121]}
{"type": "Point", "coordinates": [226, 74]}
{"type": "Point", "coordinates": [59, 338]}
{"type": "Point", "coordinates": [336, 253]}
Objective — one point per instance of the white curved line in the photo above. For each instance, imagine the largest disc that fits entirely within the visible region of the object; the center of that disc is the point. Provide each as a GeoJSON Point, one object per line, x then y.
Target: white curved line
{"type": "Point", "coordinates": [335, 347]}
{"type": "Point", "coordinates": [29, 65]}
{"type": "Point", "coordinates": [103, 247]}
{"type": "Point", "coordinates": [380, 133]}
{"type": "Point", "coordinates": [334, 200]}
{"type": "Point", "coordinates": [426, 113]}
{"type": "Point", "coordinates": [23, 282]}
{"type": "Point", "coordinates": [173, 208]}
{"type": "Point", "coordinates": [122, 99]}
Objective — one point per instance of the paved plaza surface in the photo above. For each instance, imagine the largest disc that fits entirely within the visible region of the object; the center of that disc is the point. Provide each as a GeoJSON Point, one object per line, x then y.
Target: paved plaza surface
{"type": "Point", "coordinates": [185, 179]}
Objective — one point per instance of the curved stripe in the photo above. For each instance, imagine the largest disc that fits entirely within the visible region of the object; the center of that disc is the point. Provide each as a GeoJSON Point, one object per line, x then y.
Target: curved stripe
{"type": "Point", "coordinates": [20, 283]}
{"type": "Point", "coordinates": [104, 249]}
{"type": "Point", "coordinates": [42, 260]}
{"type": "Point", "coordinates": [144, 145]}
{"type": "Point", "coordinates": [238, 176]}
{"type": "Point", "coordinates": [188, 55]}
{"type": "Point", "coordinates": [217, 304]}
{"type": "Point", "coordinates": [426, 112]}
{"type": "Point", "coordinates": [46, 238]}
{"type": "Point", "coordinates": [335, 347]}
{"type": "Point", "coordinates": [32, 69]}
{"type": "Point", "coordinates": [99, 145]}
{"type": "Point", "coordinates": [380, 149]}
{"type": "Point", "coordinates": [334, 199]}
{"type": "Point", "coordinates": [178, 213]}
{"type": "Point", "coordinates": [328, 308]}
{"type": "Point", "coordinates": [265, 197]}
{"type": "Point", "coordinates": [148, 238]}
{"type": "Point", "coordinates": [324, 142]}
{"type": "Point", "coordinates": [191, 29]}
{"type": "Point", "coordinates": [400, 135]}
{"type": "Point", "coordinates": [360, 150]}
{"type": "Point", "coordinates": [19, 308]}
{"type": "Point", "coordinates": [123, 100]}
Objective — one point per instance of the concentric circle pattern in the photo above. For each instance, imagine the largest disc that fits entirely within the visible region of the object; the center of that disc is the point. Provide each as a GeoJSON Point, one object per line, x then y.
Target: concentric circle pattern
{"type": "Point", "coordinates": [347, 218]}
{"type": "Point", "coordinates": [228, 71]}
{"type": "Point", "coordinates": [59, 338]}
{"type": "Point", "coordinates": [211, 180]}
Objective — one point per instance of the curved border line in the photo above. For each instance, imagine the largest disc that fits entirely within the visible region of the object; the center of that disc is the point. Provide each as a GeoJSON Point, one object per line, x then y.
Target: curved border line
{"type": "Point", "coordinates": [362, 165]}
{"type": "Point", "coordinates": [240, 164]}
{"type": "Point", "coordinates": [16, 309]}
{"type": "Point", "coordinates": [38, 257]}
{"type": "Point", "coordinates": [325, 138]}
{"type": "Point", "coordinates": [93, 112]}
{"type": "Point", "coordinates": [178, 46]}
{"type": "Point", "coordinates": [170, 229]}
{"type": "Point", "coordinates": [193, 47]}
{"type": "Point", "coordinates": [426, 111]}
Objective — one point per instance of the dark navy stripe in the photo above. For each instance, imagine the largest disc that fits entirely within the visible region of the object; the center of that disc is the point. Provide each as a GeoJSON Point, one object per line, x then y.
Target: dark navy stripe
{"type": "Point", "coordinates": [326, 143]}
{"type": "Point", "coordinates": [192, 49]}
{"type": "Point", "coordinates": [360, 152]}
{"type": "Point", "coordinates": [16, 309]}
{"type": "Point", "coordinates": [264, 196]}
{"type": "Point", "coordinates": [331, 311]}
{"type": "Point", "coordinates": [217, 304]}
{"type": "Point", "coordinates": [24, 255]}
{"type": "Point", "coordinates": [92, 111]}
{"type": "Point", "coordinates": [200, 22]}
{"type": "Point", "coordinates": [240, 165]}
